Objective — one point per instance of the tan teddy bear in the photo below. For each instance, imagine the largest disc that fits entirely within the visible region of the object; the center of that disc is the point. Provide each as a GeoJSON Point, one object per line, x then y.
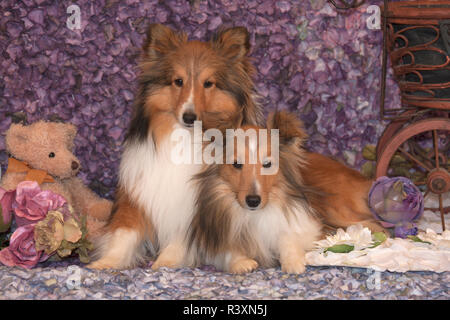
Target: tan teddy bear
{"type": "Point", "coordinates": [42, 152]}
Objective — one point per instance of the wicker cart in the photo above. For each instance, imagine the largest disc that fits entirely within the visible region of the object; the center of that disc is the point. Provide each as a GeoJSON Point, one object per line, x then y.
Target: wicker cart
{"type": "Point", "coordinates": [416, 143]}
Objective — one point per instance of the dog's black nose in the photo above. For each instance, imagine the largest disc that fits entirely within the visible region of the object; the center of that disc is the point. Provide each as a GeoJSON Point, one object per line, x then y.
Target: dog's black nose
{"type": "Point", "coordinates": [189, 118]}
{"type": "Point", "coordinates": [75, 165]}
{"type": "Point", "coordinates": [253, 201]}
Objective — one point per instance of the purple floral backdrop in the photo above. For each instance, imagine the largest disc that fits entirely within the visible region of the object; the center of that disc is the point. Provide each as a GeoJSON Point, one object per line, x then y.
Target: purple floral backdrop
{"type": "Point", "coordinates": [311, 58]}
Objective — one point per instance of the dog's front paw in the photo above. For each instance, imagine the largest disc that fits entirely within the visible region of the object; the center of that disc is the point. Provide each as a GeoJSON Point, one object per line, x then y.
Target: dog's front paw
{"type": "Point", "coordinates": [293, 265]}
{"type": "Point", "coordinates": [243, 265]}
{"type": "Point", "coordinates": [171, 257]}
{"type": "Point", "coordinates": [165, 262]}
{"type": "Point", "coordinates": [101, 265]}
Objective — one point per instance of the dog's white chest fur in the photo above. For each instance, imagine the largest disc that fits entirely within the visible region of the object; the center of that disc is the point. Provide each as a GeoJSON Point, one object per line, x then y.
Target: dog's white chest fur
{"type": "Point", "coordinates": [161, 186]}
{"type": "Point", "coordinates": [268, 226]}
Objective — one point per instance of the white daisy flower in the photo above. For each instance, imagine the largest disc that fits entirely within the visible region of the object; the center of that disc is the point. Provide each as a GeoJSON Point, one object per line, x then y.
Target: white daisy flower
{"type": "Point", "coordinates": [355, 235]}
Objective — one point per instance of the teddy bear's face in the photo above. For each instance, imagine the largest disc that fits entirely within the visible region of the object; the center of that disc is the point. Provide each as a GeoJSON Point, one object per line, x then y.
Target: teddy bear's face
{"type": "Point", "coordinates": [46, 146]}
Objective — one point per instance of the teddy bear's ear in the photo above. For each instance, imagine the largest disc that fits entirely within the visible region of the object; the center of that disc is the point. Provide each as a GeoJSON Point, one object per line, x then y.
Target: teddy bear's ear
{"type": "Point", "coordinates": [16, 136]}
{"type": "Point", "coordinates": [68, 131]}
{"type": "Point", "coordinates": [71, 132]}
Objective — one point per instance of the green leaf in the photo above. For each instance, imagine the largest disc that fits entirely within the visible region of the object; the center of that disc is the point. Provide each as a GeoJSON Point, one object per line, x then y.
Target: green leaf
{"type": "Point", "coordinates": [4, 240]}
{"type": "Point", "coordinates": [3, 226]}
{"type": "Point", "coordinates": [83, 255]}
{"type": "Point", "coordinates": [340, 248]}
{"type": "Point", "coordinates": [418, 176]}
{"type": "Point", "coordinates": [378, 238]}
{"type": "Point", "coordinates": [89, 245]}
{"type": "Point", "coordinates": [62, 252]}
{"type": "Point", "coordinates": [417, 239]}
{"type": "Point", "coordinates": [368, 169]}
{"type": "Point", "coordinates": [398, 159]}
{"type": "Point", "coordinates": [303, 30]}
{"type": "Point", "coordinates": [68, 245]}
{"type": "Point", "coordinates": [54, 257]}
{"type": "Point", "coordinates": [369, 152]}
{"type": "Point", "coordinates": [84, 221]}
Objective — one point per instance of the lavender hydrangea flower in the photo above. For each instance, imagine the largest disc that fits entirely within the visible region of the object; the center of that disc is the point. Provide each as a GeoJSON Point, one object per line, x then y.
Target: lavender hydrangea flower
{"type": "Point", "coordinates": [310, 57]}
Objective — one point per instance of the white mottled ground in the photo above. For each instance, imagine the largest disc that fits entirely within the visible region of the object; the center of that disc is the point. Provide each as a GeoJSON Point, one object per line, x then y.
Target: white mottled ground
{"type": "Point", "coordinates": [69, 279]}
{"type": "Point", "coordinates": [395, 254]}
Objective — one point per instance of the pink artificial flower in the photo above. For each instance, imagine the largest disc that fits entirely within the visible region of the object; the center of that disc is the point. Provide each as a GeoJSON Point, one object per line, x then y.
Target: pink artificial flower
{"type": "Point", "coordinates": [22, 251]}
{"type": "Point", "coordinates": [32, 204]}
{"type": "Point", "coordinates": [6, 200]}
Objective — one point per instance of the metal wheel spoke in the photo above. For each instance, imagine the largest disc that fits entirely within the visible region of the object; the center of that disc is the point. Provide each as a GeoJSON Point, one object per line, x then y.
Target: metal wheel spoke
{"type": "Point", "coordinates": [441, 209]}
{"type": "Point", "coordinates": [436, 148]}
{"type": "Point", "coordinates": [446, 152]}
{"type": "Point", "coordinates": [419, 152]}
{"type": "Point", "coordinates": [411, 157]}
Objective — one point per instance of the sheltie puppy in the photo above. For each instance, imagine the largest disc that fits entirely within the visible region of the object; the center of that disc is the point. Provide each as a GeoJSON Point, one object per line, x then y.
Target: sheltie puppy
{"type": "Point", "coordinates": [247, 217]}
{"type": "Point", "coordinates": [180, 82]}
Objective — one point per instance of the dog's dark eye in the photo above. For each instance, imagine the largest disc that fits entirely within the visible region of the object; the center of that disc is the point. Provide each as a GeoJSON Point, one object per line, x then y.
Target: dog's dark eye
{"type": "Point", "coordinates": [51, 155]}
{"type": "Point", "coordinates": [267, 164]}
{"type": "Point", "coordinates": [237, 165]}
{"type": "Point", "coordinates": [178, 82]}
{"type": "Point", "coordinates": [207, 84]}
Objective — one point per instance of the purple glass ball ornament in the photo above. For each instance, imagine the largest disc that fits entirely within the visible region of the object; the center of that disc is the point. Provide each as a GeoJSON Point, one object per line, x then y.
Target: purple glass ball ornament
{"type": "Point", "coordinates": [397, 203]}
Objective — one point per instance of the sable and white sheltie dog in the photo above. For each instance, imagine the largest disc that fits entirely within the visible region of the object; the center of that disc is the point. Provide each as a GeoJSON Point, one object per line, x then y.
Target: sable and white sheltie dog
{"type": "Point", "coordinates": [246, 218]}
{"type": "Point", "coordinates": [180, 82]}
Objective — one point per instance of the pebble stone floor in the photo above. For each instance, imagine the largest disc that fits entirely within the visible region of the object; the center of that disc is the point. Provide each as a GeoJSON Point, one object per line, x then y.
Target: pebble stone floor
{"type": "Point", "coordinates": [67, 280]}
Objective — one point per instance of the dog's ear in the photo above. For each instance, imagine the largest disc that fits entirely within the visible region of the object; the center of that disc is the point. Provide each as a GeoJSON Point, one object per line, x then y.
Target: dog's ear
{"type": "Point", "coordinates": [160, 40]}
{"type": "Point", "coordinates": [233, 43]}
{"type": "Point", "coordinates": [289, 126]}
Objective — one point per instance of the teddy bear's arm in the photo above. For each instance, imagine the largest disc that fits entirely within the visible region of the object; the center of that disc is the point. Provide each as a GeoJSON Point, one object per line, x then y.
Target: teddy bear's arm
{"type": "Point", "coordinates": [87, 202]}
{"type": "Point", "coordinates": [11, 180]}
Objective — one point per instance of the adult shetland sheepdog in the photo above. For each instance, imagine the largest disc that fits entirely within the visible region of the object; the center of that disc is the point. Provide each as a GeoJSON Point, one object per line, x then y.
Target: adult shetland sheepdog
{"type": "Point", "coordinates": [245, 217]}
{"type": "Point", "coordinates": [181, 81]}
